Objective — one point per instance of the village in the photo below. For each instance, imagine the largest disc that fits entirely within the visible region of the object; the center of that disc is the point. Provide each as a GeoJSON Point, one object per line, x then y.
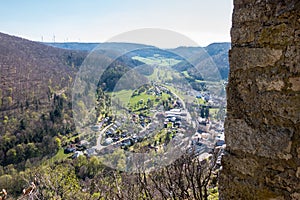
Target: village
{"type": "Point", "coordinates": [156, 117]}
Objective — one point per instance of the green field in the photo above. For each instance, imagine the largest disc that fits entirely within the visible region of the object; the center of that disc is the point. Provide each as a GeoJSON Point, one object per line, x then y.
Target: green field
{"type": "Point", "coordinates": [161, 61]}
{"type": "Point", "coordinates": [186, 74]}
{"type": "Point", "coordinates": [165, 75]}
{"type": "Point", "coordinates": [141, 97]}
{"type": "Point", "coordinates": [122, 95]}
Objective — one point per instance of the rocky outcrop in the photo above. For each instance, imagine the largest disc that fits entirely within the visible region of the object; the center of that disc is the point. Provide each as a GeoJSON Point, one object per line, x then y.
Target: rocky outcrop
{"type": "Point", "coordinates": [263, 121]}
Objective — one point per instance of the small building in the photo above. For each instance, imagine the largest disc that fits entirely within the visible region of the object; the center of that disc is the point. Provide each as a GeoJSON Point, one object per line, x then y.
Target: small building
{"type": "Point", "coordinates": [90, 152]}
{"type": "Point", "coordinates": [77, 154]}
{"type": "Point", "coordinates": [176, 110]}
{"type": "Point", "coordinates": [220, 143]}
{"type": "Point", "coordinates": [178, 124]}
{"type": "Point", "coordinates": [108, 141]}
{"type": "Point", "coordinates": [69, 150]}
{"type": "Point", "coordinates": [84, 143]}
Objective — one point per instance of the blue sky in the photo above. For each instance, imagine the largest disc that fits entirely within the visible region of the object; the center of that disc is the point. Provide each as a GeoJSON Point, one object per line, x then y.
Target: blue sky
{"type": "Point", "coordinates": [98, 20]}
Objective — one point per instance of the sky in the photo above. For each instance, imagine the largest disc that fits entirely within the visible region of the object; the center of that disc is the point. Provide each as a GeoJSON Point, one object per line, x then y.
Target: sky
{"type": "Point", "coordinates": [203, 21]}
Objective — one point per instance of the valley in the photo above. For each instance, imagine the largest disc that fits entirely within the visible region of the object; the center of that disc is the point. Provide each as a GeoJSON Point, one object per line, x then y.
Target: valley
{"type": "Point", "coordinates": [151, 111]}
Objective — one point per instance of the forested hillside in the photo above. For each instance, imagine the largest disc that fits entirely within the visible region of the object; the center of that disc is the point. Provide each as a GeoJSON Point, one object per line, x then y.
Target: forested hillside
{"type": "Point", "coordinates": [34, 98]}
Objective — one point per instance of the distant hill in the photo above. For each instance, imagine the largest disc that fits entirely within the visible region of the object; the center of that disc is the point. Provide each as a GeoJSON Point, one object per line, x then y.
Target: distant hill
{"type": "Point", "coordinates": [74, 46]}
{"type": "Point", "coordinates": [92, 46]}
{"type": "Point", "coordinates": [214, 54]}
{"type": "Point", "coordinates": [218, 48]}
{"type": "Point", "coordinates": [218, 52]}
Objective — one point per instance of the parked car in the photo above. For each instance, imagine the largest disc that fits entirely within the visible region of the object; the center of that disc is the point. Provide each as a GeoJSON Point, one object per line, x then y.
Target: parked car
{"type": "Point", "coordinates": [123, 135]}
{"type": "Point", "coordinates": [127, 142]}
{"type": "Point", "coordinates": [108, 134]}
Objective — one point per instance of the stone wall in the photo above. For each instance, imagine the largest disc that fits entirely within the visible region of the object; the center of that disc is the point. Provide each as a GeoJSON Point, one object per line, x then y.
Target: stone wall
{"type": "Point", "coordinates": [262, 128]}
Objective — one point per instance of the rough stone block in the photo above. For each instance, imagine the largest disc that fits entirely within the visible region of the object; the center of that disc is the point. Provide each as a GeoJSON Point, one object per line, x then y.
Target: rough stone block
{"type": "Point", "coordinates": [277, 35]}
{"type": "Point", "coordinates": [295, 83]}
{"type": "Point", "coordinates": [266, 85]}
{"type": "Point", "coordinates": [247, 58]}
{"type": "Point", "coordinates": [275, 143]}
{"type": "Point", "coordinates": [295, 196]}
{"type": "Point", "coordinates": [243, 35]}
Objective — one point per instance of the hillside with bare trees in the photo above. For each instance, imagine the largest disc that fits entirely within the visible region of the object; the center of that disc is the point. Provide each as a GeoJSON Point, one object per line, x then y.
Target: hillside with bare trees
{"type": "Point", "coordinates": [34, 97]}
